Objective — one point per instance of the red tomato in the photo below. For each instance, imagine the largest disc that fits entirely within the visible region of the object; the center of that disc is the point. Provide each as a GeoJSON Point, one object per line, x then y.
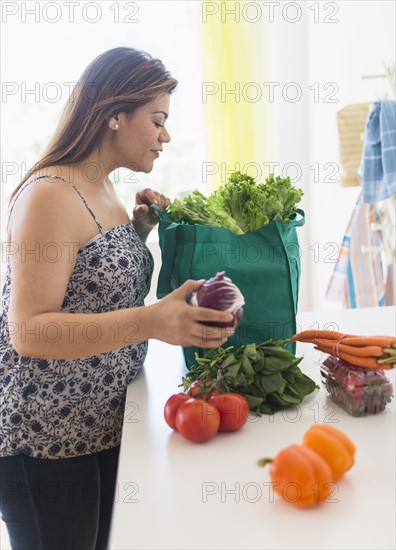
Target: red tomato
{"type": "Point", "coordinates": [233, 409]}
{"type": "Point", "coordinates": [171, 407]}
{"type": "Point", "coordinates": [197, 421]}
{"type": "Point", "coordinates": [198, 387]}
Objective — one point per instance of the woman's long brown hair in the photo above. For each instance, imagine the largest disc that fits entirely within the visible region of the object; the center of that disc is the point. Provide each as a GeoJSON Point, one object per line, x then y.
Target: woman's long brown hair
{"type": "Point", "coordinates": [120, 79]}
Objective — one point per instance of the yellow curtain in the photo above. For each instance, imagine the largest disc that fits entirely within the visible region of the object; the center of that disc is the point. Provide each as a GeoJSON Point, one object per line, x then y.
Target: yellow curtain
{"type": "Point", "coordinates": [235, 97]}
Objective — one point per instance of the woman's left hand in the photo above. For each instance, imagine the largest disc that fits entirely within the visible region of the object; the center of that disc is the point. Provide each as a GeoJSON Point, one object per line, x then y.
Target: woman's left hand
{"type": "Point", "coordinates": [144, 219]}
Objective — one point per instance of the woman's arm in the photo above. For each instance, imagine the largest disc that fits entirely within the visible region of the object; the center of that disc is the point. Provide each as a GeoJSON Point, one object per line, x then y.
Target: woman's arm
{"type": "Point", "coordinates": [46, 220]}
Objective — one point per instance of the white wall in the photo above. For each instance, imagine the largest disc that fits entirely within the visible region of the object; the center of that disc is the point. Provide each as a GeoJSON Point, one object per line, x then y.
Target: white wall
{"type": "Point", "coordinates": [305, 51]}
{"type": "Point", "coordinates": [333, 45]}
{"type": "Point", "coordinates": [335, 55]}
{"type": "Point", "coordinates": [358, 45]}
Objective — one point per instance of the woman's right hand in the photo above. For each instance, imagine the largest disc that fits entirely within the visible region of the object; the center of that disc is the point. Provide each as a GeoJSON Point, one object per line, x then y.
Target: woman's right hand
{"type": "Point", "coordinates": [176, 322]}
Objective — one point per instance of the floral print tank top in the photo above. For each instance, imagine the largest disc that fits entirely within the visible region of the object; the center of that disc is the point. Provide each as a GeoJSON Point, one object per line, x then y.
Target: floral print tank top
{"type": "Point", "coordinates": [51, 408]}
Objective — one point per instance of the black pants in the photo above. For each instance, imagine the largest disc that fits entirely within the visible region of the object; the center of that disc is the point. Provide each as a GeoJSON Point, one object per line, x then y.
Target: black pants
{"type": "Point", "coordinates": [58, 504]}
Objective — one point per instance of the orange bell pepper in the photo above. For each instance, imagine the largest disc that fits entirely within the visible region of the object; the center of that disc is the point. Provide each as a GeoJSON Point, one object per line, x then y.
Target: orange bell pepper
{"type": "Point", "coordinates": [333, 446]}
{"type": "Point", "coordinates": [300, 475]}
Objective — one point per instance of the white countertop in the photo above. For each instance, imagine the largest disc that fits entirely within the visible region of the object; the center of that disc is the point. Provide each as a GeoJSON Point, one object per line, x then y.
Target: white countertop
{"type": "Point", "coordinates": [174, 494]}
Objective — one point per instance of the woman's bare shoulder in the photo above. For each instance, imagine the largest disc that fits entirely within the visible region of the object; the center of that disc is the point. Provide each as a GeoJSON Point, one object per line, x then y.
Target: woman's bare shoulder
{"type": "Point", "coordinates": [46, 201]}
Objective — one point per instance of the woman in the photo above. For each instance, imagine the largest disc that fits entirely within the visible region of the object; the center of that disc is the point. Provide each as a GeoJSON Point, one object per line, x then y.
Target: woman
{"type": "Point", "coordinates": [74, 328]}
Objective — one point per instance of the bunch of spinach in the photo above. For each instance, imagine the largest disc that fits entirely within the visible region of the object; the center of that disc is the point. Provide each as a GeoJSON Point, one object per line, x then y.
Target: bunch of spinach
{"type": "Point", "coordinates": [266, 374]}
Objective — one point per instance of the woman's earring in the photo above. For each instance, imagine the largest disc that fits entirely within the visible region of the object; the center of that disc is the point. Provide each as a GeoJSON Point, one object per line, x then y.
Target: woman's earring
{"type": "Point", "coordinates": [116, 126]}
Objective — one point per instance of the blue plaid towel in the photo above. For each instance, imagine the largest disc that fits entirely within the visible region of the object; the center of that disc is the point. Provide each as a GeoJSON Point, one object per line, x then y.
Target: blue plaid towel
{"type": "Point", "coordinates": [378, 166]}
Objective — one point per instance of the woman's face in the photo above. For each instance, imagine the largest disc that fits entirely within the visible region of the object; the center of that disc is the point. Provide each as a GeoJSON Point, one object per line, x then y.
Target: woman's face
{"type": "Point", "coordinates": [140, 137]}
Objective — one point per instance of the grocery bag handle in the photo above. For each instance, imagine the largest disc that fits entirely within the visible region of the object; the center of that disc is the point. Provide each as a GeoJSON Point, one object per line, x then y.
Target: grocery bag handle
{"type": "Point", "coordinates": [158, 209]}
{"type": "Point", "coordinates": [299, 222]}
{"type": "Point", "coordinates": [164, 283]}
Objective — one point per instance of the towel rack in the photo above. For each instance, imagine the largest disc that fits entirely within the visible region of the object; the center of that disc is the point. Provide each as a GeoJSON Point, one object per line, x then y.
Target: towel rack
{"type": "Point", "coordinates": [389, 74]}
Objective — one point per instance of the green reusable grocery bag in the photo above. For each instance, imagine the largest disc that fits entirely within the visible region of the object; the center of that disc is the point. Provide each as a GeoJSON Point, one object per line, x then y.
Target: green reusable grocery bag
{"type": "Point", "coordinates": [265, 265]}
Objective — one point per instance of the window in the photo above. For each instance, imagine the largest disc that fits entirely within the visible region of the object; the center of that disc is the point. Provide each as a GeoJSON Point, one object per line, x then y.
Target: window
{"type": "Point", "coordinates": [47, 47]}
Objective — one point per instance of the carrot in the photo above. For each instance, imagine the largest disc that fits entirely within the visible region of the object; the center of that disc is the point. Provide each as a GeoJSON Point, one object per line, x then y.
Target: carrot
{"type": "Point", "coordinates": [348, 339]}
{"type": "Point", "coordinates": [326, 349]}
{"type": "Point", "coordinates": [381, 341]}
{"type": "Point", "coordinates": [307, 335]}
{"type": "Point", "coordinates": [368, 362]}
{"type": "Point", "coordinates": [364, 351]}
{"type": "Point", "coordinates": [374, 352]}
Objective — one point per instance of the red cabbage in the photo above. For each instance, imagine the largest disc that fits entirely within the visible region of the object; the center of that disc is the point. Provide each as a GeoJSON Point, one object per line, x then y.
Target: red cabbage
{"type": "Point", "coordinates": [220, 293]}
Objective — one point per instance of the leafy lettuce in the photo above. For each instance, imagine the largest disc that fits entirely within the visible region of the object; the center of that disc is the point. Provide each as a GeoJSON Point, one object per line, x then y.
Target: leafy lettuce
{"type": "Point", "coordinates": [241, 205]}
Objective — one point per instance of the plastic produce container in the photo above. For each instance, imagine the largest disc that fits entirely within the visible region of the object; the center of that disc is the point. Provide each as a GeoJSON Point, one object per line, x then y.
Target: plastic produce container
{"type": "Point", "coordinates": [359, 391]}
